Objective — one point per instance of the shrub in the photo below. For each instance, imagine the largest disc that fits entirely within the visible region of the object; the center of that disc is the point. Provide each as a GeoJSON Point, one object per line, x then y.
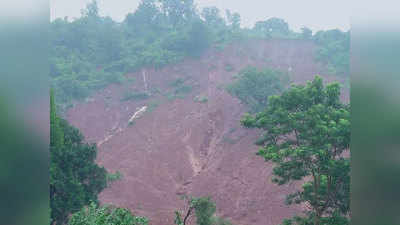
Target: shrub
{"type": "Point", "coordinates": [111, 177]}
{"type": "Point", "coordinates": [153, 105]}
{"type": "Point", "coordinates": [105, 215]}
{"type": "Point", "coordinates": [228, 67]}
{"type": "Point", "coordinates": [201, 99]}
{"type": "Point", "coordinates": [135, 96]}
{"type": "Point", "coordinates": [180, 89]}
{"type": "Point", "coordinates": [253, 87]}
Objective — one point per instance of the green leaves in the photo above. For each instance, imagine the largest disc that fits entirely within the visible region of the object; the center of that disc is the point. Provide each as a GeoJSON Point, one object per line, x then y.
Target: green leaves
{"type": "Point", "coordinates": [334, 50]}
{"type": "Point", "coordinates": [253, 87]}
{"type": "Point", "coordinates": [105, 215]}
{"type": "Point", "coordinates": [75, 178]}
{"type": "Point", "coordinates": [273, 27]}
{"type": "Point", "coordinates": [204, 210]}
{"type": "Point", "coordinates": [306, 131]}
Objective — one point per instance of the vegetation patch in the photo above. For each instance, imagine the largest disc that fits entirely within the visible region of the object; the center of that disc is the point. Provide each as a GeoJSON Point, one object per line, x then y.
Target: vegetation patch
{"type": "Point", "coordinates": [75, 178]}
{"type": "Point", "coordinates": [180, 89]}
{"type": "Point", "coordinates": [153, 105]}
{"type": "Point", "coordinates": [201, 99]}
{"type": "Point", "coordinates": [105, 215]}
{"type": "Point", "coordinates": [93, 51]}
{"type": "Point", "coordinates": [221, 87]}
{"type": "Point", "coordinates": [134, 96]}
{"type": "Point", "coordinates": [112, 177]}
{"type": "Point", "coordinates": [212, 67]}
{"type": "Point", "coordinates": [253, 87]}
{"type": "Point", "coordinates": [228, 67]}
{"type": "Point", "coordinates": [227, 139]}
{"type": "Point", "coordinates": [333, 51]}
{"type": "Point", "coordinates": [203, 208]}
{"type": "Point", "coordinates": [306, 131]}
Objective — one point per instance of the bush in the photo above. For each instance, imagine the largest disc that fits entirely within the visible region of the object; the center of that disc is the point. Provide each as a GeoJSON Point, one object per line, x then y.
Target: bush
{"type": "Point", "coordinates": [201, 99]}
{"type": "Point", "coordinates": [333, 50]}
{"type": "Point", "coordinates": [105, 215]}
{"type": "Point", "coordinates": [128, 96]}
{"type": "Point", "coordinates": [228, 67]}
{"type": "Point", "coordinates": [111, 177]}
{"type": "Point", "coordinates": [253, 87]}
{"type": "Point", "coordinates": [180, 88]}
{"type": "Point", "coordinates": [204, 210]}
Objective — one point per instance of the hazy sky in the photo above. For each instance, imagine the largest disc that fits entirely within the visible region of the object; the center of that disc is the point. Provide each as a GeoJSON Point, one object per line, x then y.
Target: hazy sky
{"type": "Point", "coordinates": [315, 14]}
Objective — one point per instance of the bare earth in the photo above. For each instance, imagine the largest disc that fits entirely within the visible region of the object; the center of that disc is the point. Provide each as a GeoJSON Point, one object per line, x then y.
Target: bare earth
{"type": "Point", "coordinates": [186, 147]}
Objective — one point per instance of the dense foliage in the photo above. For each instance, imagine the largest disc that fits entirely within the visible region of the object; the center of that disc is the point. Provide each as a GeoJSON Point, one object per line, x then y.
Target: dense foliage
{"type": "Point", "coordinates": [334, 50]}
{"type": "Point", "coordinates": [75, 178]}
{"type": "Point", "coordinates": [105, 215]}
{"type": "Point", "coordinates": [92, 51]}
{"type": "Point", "coordinates": [253, 86]}
{"type": "Point", "coordinates": [306, 135]}
{"type": "Point", "coordinates": [204, 210]}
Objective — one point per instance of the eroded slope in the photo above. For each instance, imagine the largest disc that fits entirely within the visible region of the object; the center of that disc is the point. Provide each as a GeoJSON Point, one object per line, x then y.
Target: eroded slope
{"type": "Point", "coordinates": [179, 145]}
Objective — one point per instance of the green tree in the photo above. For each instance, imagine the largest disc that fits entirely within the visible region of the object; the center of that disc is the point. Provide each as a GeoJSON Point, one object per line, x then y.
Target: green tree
{"type": "Point", "coordinates": [273, 27]}
{"type": "Point", "coordinates": [105, 215]}
{"type": "Point", "coordinates": [147, 18]}
{"type": "Point", "coordinates": [56, 134]}
{"type": "Point", "coordinates": [204, 210]}
{"type": "Point", "coordinates": [212, 17]}
{"type": "Point", "coordinates": [198, 39]}
{"type": "Point", "coordinates": [91, 10]}
{"type": "Point", "coordinates": [307, 132]}
{"type": "Point", "coordinates": [306, 33]}
{"type": "Point", "coordinates": [233, 19]}
{"type": "Point", "coordinates": [253, 86]}
{"type": "Point", "coordinates": [75, 178]}
{"type": "Point", "coordinates": [178, 12]}
{"type": "Point", "coordinates": [333, 50]}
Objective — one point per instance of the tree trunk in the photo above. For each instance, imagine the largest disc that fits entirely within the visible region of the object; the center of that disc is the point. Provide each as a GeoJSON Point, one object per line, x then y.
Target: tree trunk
{"type": "Point", "coordinates": [317, 217]}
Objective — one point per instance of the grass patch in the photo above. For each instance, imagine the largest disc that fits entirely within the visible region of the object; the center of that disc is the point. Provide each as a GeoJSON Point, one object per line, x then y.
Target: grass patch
{"type": "Point", "coordinates": [112, 177]}
{"type": "Point", "coordinates": [172, 96]}
{"type": "Point", "coordinates": [135, 96]}
{"type": "Point", "coordinates": [267, 60]}
{"type": "Point", "coordinates": [153, 105]}
{"type": "Point", "coordinates": [228, 67]}
{"type": "Point", "coordinates": [180, 89]}
{"type": "Point", "coordinates": [233, 129]}
{"type": "Point", "coordinates": [229, 140]}
{"type": "Point", "coordinates": [184, 89]}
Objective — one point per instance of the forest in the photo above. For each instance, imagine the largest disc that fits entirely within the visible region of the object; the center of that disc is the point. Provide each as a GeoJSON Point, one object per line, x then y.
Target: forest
{"type": "Point", "coordinates": [93, 51]}
{"type": "Point", "coordinates": [304, 128]}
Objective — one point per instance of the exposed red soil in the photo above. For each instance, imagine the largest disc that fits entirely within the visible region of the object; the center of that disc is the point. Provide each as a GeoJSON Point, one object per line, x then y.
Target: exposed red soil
{"type": "Point", "coordinates": [183, 146]}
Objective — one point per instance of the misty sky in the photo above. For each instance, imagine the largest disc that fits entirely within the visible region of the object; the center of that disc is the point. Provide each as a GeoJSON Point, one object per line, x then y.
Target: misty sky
{"type": "Point", "coordinates": [315, 14]}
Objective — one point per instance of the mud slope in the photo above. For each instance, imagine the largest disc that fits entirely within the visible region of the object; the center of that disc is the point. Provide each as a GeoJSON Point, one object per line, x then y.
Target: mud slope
{"type": "Point", "coordinates": [182, 146]}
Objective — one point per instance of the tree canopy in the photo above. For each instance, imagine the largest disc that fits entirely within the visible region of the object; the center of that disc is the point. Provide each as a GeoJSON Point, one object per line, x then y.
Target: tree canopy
{"type": "Point", "coordinates": [105, 215]}
{"type": "Point", "coordinates": [204, 210]}
{"type": "Point", "coordinates": [306, 135]}
{"type": "Point", "coordinates": [334, 50]}
{"type": "Point", "coordinates": [253, 86]}
{"type": "Point", "coordinates": [93, 51]}
{"type": "Point", "coordinates": [75, 178]}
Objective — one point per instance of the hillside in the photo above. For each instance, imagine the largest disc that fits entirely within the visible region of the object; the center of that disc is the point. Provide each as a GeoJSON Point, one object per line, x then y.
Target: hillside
{"type": "Point", "coordinates": [180, 145]}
